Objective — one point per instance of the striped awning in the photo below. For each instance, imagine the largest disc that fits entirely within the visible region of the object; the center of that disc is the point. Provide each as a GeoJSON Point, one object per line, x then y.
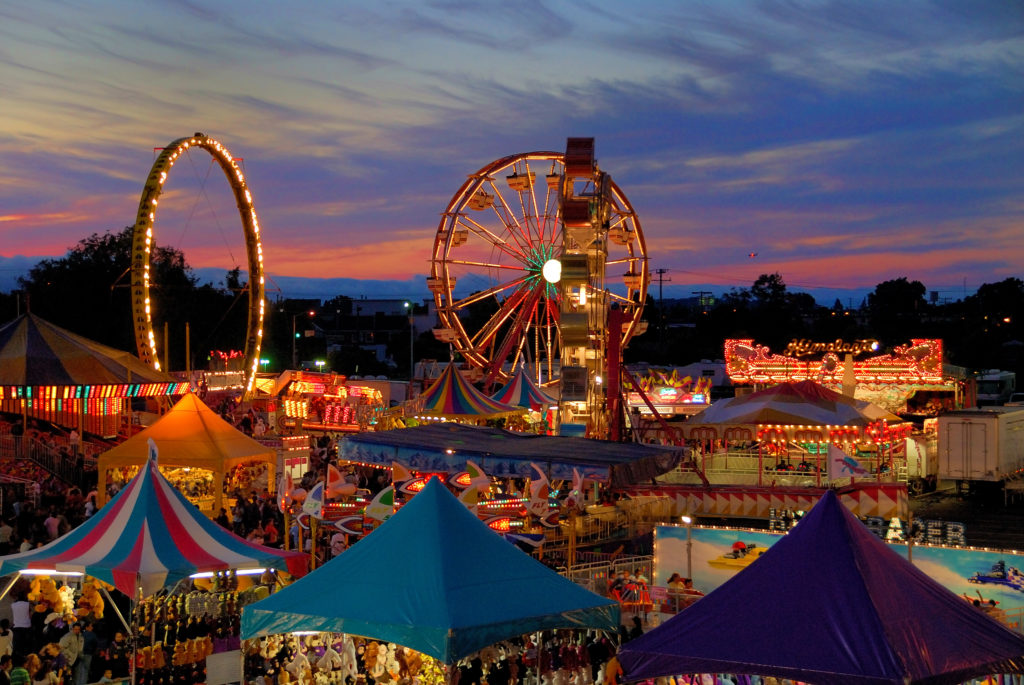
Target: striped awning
{"type": "Point", "coordinates": [150, 537]}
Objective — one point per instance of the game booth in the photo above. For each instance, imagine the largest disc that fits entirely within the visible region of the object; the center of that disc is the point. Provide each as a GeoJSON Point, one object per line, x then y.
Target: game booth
{"type": "Point", "coordinates": [203, 454]}
{"type": "Point", "coordinates": [52, 374]}
{"type": "Point", "coordinates": [183, 579]}
{"type": "Point", "coordinates": [367, 614]}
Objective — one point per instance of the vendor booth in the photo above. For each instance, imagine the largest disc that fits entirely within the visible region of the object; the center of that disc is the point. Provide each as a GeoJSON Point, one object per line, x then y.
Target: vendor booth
{"type": "Point", "coordinates": [844, 609]}
{"type": "Point", "coordinates": [149, 540]}
{"type": "Point", "coordinates": [201, 445]}
{"type": "Point", "coordinates": [433, 578]}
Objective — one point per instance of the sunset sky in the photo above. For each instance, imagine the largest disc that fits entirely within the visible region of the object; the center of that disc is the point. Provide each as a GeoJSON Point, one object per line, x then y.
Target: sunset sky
{"type": "Point", "coordinates": [844, 143]}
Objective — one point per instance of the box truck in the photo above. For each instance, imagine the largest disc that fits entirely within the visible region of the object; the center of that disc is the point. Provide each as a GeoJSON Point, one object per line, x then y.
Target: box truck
{"type": "Point", "coordinates": [981, 447]}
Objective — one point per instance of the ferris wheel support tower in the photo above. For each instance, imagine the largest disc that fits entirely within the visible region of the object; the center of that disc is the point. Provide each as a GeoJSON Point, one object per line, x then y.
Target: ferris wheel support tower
{"type": "Point", "coordinates": [586, 212]}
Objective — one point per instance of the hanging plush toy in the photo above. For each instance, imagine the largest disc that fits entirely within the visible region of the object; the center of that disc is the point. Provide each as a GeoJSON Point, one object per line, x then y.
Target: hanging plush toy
{"type": "Point", "coordinates": [46, 595]}
{"type": "Point", "coordinates": [90, 603]}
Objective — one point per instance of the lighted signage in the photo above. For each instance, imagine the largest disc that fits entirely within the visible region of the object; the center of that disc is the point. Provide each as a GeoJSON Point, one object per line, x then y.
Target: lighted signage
{"type": "Point", "coordinates": [669, 393]}
{"type": "Point", "coordinates": [918, 362]}
{"type": "Point", "coordinates": [807, 348]}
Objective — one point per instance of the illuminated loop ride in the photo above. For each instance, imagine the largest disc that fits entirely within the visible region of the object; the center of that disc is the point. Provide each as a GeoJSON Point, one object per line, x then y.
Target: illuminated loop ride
{"type": "Point", "coordinates": [143, 242]}
{"type": "Point", "coordinates": [498, 305]}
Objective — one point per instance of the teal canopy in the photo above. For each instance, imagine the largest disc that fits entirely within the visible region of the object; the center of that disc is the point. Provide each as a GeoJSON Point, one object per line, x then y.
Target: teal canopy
{"type": "Point", "coordinates": [433, 578]}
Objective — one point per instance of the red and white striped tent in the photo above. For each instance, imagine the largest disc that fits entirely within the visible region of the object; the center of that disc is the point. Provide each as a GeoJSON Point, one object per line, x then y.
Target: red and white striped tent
{"type": "Point", "coordinates": [788, 407]}
{"type": "Point", "coordinates": [147, 538]}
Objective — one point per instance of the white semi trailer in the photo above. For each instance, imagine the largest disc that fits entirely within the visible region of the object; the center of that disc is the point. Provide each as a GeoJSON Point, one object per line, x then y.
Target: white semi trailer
{"type": "Point", "coordinates": [981, 447]}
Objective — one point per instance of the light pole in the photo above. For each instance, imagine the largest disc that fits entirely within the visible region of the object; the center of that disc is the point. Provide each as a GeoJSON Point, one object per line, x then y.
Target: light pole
{"type": "Point", "coordinates": [295, 353]}
{"type": "Point", "coordinates": [412, 330]}
{"type": "Point", "coordinates": [295, 335]}
{"type": "Point", "coordinates": [688, 520]}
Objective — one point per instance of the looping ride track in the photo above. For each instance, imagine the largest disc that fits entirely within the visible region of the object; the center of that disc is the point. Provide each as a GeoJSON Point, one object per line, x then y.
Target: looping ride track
{"type": "Point", "coordinates": [143, 241]}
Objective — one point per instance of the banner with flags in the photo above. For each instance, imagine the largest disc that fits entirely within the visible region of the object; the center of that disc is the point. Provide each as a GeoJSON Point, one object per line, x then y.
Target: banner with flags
{"type": "Point", "coordinates": [842, 465]}
{"type": "Point", "coordinates": [399, 474]}
{"type": "Point", "coordinates": [337, 486]}
{"type": "Point", "coordinates": [471, 498]}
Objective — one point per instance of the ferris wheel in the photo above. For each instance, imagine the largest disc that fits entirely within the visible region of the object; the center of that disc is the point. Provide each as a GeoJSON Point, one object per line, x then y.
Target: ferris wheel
{"type": "Point", "coordinates": [498, 231]}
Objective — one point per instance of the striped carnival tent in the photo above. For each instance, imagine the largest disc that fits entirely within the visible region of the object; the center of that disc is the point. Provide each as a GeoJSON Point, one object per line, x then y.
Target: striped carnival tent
{"type": "Point", "coordinates": [149, 537]}
{"type": "Point", "coordinates": [36, 353]}
{"type": "Point", "coordinates": [453, 397]}
{"type": "Point", "coordinates": [804, 403]}
{"type": "Point", "coordinates": [521, 391]}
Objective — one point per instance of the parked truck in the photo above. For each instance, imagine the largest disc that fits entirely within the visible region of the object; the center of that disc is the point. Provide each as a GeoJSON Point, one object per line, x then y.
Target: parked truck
{"type": "Point", "coordinates": [982, 447]}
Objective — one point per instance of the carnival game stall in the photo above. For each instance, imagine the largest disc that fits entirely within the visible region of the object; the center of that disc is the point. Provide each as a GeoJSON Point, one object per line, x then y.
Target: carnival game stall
{"type": "Point", "coordinates": [787, 434]}
{"type": "Point", "coordinates": [157, 548]}
{"type": "Point", "coordinates": [52, 374]}
{"type": "Point", "coordinates": [432, 585]}
{"type": "Point", "coordinates": [845, 609]}
{"type": "Point", "coordinates": [324, 402]}
{"type": "Point", "coordinates": [208, 453]}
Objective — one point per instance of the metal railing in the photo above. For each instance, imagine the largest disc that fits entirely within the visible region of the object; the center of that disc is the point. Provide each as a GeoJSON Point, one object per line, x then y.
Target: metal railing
{"type": "Point", "coordinates": [49, 458]}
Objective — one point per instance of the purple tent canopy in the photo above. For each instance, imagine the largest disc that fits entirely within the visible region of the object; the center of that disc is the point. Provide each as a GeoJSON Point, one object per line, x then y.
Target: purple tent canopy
{"type": "Point", "coordinates": [830, 604]}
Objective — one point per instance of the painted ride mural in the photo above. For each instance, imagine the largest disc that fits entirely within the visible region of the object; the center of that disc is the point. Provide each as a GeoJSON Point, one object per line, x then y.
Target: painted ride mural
{"type": "Point", "coordinates": [717, 554]}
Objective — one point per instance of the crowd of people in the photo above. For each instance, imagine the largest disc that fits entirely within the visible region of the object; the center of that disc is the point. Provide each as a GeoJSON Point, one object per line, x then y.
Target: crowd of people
{"type": "Point", "coordinates": [46, 647]}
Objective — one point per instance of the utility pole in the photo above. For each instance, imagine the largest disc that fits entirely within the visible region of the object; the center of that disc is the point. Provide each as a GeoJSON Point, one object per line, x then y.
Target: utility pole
{"type": "Point", "coordinates": [700, 298]}
{"type": "Point", "coordinates": [660, 280]}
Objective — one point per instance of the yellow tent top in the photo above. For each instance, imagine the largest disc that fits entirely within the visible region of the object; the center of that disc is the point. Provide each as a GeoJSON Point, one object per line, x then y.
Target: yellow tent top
{"type": "Point", "coordinates": [190, 434]}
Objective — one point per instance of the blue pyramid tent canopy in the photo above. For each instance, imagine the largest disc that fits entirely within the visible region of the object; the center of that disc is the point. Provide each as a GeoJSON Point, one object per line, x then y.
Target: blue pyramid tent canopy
{"type": "Point", "coordinates": [433, 578]}
{"type": "Point", "coordinates": [828, 604]}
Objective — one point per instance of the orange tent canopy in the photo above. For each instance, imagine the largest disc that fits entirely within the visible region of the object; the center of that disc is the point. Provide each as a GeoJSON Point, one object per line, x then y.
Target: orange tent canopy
{"type": "Point", "coordinates": [190, 434]}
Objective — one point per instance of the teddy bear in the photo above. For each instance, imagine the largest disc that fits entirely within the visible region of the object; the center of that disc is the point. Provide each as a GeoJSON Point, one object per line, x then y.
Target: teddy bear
{"type": "Point", "coordinates": [46, 595]}
{"type": "Point", "coordinates": [180, 655]}
{"type": "Point", "coordinates": [90, 603]}
{"type": "Point", "coordinates": [370, 656]}
{"type": "Point", "coordinates": [157, 657]}
{"type": "Point", "coordinates": [142, 658]}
